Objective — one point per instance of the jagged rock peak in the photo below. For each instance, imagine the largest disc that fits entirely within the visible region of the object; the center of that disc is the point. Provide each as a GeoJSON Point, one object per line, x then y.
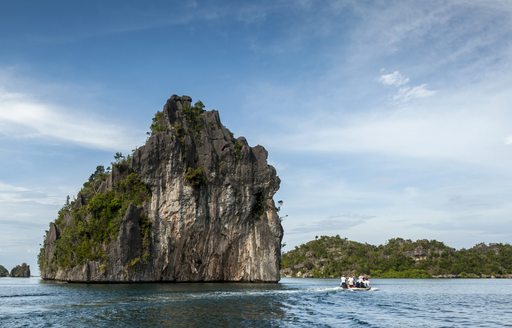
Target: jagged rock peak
{"type": "Point", "coordinates": [192, 204]}
{"type": "Point", "coordinates": [21, 271]}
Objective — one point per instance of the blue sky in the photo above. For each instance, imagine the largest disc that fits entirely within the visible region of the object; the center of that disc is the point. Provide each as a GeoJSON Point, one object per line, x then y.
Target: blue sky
{"type": "Point", "coordinates": [383, 118]}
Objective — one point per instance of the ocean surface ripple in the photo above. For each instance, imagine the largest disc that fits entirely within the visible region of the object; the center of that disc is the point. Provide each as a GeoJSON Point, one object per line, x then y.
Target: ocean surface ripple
{"type": "Point", "coordinates": [291, 303]}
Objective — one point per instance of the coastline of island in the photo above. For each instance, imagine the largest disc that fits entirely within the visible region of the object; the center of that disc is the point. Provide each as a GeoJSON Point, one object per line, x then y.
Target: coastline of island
{"type": "Point", "coordinates": [333, 256]}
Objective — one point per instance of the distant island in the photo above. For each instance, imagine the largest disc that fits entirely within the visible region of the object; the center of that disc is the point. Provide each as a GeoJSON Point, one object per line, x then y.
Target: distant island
{"type": "Point", "coordinates": [19, 271]}
{"type": "Point", "coordinates": [3, 272]}
{"type": "Point", "coordinates": [192, 204]}
{"type": "Point", "coordinates": [398, 258]}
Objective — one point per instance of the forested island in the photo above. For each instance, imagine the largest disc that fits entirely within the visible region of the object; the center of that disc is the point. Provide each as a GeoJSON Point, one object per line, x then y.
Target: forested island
{"type": "Point", "coordinates": [399, 258]}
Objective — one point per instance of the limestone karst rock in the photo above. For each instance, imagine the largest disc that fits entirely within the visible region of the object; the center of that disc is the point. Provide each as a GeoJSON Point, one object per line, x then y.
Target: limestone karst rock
{"type": "Point", "coordinates": [3, 271]}
{"type": "Point", "coordinates": [21, 271]}
{"type": "Point", "coordinates": [193, 204]}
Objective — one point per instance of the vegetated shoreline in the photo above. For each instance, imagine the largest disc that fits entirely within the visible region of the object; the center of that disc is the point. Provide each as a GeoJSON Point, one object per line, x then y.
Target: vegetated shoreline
{"type": "Point", "coordinates": [333, 256]}
{"type": "Point", "coordinates": [440, 277]}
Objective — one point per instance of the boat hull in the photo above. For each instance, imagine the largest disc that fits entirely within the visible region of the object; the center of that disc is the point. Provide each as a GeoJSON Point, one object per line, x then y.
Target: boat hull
{"type": "Point", "coordinates": [357, 289]}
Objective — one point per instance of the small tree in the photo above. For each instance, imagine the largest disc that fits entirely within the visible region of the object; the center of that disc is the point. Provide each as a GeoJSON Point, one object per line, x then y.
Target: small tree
{"type": "Point", "coordinates": [100, 170]}
{"type": "Point", "coordinates": [118, 157]}
{"type": "Point", "coordinates": [199, 105]}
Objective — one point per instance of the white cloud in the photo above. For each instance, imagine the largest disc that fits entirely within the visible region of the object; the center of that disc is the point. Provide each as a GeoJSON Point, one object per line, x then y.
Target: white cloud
{"type": "Point", "coordinates": [471, 136]}
{"type": "Point", "coordinates": [4, 187]}
{"type": "Point", "coordinates": [24, 215]}
{"type": "Point", "coordinates": [21, 116]}
{"type": "Point", "coordinates": [395, 79]}
{"type": "Point", "coordinates": [395, 208]}
{"type": "Point", "coordinates": [406, 94]}
{"type": "Point", "coordinates": [11, 195]}
{"type": "Point", "coordinates": [444, 158]}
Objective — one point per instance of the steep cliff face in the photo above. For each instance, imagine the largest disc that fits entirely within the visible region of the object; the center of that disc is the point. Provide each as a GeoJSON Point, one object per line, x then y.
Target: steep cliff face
{"type": "Point", "coordinates": [192, 204]}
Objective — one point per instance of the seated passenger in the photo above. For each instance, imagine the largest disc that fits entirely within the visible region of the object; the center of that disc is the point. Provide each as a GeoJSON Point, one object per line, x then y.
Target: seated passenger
{"type": "Point", "coordinates": [359, 283]}
{"type": "Point", "coordinates": [350, 282]}
{"type": "Point", "coordinates": [366, 282]}
{"type": "Point", "coordinates": [343, 283]}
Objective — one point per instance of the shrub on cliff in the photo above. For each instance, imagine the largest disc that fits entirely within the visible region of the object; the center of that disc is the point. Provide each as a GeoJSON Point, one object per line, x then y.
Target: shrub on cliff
{"type": "Point", "coordinates": [158, 124]}
{"type": "Point", "coordinates": [98, 222]}
{"type": "Point", "coordinates": [195, 176]}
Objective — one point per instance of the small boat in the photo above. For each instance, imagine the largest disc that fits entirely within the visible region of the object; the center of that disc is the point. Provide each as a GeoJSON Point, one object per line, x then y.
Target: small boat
{"type": "Point", "coordinates": [358, 289]}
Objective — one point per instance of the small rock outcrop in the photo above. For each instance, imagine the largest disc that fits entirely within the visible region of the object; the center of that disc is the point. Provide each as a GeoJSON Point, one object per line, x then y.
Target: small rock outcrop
{"type": "Point", "coordinates": [193, 204]}
{"type": "Point", "coordinates": [21, 271]}
{"type": "Point", "coordinates": [3, 272]}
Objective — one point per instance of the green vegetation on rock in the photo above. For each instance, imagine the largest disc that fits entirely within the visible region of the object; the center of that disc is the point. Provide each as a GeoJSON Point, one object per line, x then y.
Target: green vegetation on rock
{"type": "Point", "coordinates": [398, 258]}
{"type": "Point", "coordinates": [195, 176]}
{"type": "Point", "coordinates": [87, 227]}
{"type": "Point", "coordinates": [158, 124]}
{"type": "Point", "coordinates": [193, 116]}
{"type": "Point", "coordinates": [238, 150]}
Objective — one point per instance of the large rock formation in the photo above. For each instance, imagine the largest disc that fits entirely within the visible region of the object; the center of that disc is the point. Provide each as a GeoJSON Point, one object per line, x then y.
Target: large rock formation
{"type": "Point", "coordinates": [21, 271]}
{"type": "Point", "coordinates": [3, 271]}
{"type": "Point", "coordinates": [192, 204]}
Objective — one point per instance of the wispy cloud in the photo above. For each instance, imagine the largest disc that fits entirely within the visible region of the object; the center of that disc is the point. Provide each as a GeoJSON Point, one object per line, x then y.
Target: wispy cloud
{"type": "Point", "coordinates": [453, 130]}
{"type": "Point", "coordinates": [406, 94]}
{"type": "Point", "coordinates": [10, 194]}
{"type": "Point", "coordinates": [333, 223]}
{"type": "Point", "coordinates": [396, 79]}
{"type": "Point", "coordinates": [24, 215]}
{"type": "Point", "coordinates": [4, 187]}
{"type": "Point", "coordinates": [23, 116]}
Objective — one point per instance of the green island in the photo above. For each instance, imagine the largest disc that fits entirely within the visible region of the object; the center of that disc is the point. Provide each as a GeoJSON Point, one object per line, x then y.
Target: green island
{"type": "Point", "coordinates": [329, 257]}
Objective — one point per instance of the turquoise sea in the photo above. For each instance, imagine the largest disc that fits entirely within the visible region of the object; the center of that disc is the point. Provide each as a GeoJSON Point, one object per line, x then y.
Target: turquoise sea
{"type": "Point", "coordinates": [290, 303]}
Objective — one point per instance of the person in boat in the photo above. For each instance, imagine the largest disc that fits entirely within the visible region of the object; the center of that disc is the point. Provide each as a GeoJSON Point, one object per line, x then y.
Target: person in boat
{"type": "Point", "coordinates": [366, 282]}
{"type": "Point", "coordinates": [343, 282]}
{"type": "Point", "coordinates": [350, 282]}
{"type": "Point", "coordinates": [359, 282]}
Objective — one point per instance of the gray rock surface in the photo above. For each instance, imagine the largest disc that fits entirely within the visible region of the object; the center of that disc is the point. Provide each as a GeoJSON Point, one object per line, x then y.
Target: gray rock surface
{"type": "Point", "coordinates": [21, 271]}
{"type": "Point", "coordinates": [211, 214]}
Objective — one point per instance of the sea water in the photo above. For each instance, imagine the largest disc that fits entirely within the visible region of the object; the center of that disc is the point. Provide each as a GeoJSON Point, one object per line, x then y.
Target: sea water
{"type": "Point", "coordinates": [290, 303]}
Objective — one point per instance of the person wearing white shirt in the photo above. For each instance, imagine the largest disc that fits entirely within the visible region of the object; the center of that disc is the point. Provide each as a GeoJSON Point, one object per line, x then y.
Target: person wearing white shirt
{"type": "Point", "coordinates": [350, 282]}
{"type": "Point", "coordinates": [343, 282]}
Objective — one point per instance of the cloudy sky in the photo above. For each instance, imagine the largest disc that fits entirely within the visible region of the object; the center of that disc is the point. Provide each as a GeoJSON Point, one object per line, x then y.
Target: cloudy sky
{"type": "Point", "coordinates": [383, 118]}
